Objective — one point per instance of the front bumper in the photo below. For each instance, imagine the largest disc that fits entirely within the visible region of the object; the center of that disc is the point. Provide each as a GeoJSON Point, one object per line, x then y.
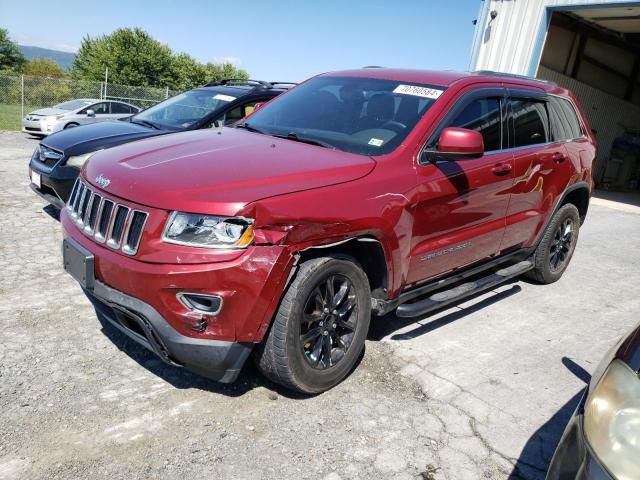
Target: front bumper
{"type": "Point", "coordinates": [573, 458]}
{"type": "Point", "coordinates": [34, 127]}
{"type": "Point", "coordinates": [216, 359]}
{"type": "Point", "coordinates": [133, 294]}
{"type": "Point", "coordinates": [40, 127]}
{"type": "Point", "coordinates": [56, 182]}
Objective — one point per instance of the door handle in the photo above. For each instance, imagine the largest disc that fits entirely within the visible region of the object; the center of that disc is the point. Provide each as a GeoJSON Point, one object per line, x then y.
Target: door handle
{"type": "Point", "coordinates": [558, 157]}
{"type": "Point", "coordinates": [501, 168]}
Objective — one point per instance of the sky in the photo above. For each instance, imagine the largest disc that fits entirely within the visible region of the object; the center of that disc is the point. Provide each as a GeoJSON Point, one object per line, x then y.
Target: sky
{"type": "Point", "coordinates": [273, 40]}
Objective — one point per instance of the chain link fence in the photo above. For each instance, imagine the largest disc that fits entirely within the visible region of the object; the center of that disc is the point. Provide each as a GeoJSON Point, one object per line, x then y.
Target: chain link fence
{"type": "Point", "coordinates": [21, 94]}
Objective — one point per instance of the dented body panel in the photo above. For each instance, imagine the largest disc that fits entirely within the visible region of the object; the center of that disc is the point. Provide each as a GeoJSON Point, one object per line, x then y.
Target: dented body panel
{"type": "Point", "coordinates": [429, 217]}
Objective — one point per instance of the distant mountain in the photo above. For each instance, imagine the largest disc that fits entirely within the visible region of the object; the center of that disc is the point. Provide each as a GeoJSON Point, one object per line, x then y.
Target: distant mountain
{"type": "Point", "coordinates": [64, 59]}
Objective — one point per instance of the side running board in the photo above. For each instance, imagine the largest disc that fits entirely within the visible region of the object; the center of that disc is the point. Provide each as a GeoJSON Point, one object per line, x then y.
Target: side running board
{"type": "Point", "coordinates": [463, 290]}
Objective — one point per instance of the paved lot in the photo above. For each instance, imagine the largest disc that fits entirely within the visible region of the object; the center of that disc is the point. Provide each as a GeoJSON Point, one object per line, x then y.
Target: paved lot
{"type": "Point", "coordinates": [482, 390]}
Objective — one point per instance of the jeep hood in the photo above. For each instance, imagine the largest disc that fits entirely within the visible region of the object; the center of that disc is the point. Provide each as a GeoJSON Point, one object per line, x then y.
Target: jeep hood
{"type": "Point", "coordinates": [219, 171]}
{"type": "Point", "coordinates": [95, 136]}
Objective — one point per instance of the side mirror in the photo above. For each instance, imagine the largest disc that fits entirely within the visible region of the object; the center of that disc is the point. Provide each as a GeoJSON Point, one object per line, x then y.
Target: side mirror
{"type": "Point", "coordinates": [91, 113]}
{"type": "Point", "coordinates": [459, 144]}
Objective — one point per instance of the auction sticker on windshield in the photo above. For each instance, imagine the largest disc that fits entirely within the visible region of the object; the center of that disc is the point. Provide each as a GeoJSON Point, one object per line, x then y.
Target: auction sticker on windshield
{"type": "Point", "coordinates": [224, 98]}
{"type": "Point", "coordinates": [416, 91]}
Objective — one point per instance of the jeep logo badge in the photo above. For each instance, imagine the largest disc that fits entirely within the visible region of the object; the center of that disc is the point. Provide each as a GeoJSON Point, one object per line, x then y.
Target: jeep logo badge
{"type": "Point", "coordinates": [102, 181]}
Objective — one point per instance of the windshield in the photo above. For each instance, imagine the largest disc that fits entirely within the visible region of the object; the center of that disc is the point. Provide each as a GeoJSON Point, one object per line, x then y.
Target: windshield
{"type": "Point", "coordinates": [358, 115]}
{"type": "Point", "coordinates": [185, 109]}
{"type": "Point", "coordinates": [72, 104]}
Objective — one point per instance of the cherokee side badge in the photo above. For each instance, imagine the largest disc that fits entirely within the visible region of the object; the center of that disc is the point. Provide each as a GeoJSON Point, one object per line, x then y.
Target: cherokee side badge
{"type": "Point", "coordinates": [102, 181]}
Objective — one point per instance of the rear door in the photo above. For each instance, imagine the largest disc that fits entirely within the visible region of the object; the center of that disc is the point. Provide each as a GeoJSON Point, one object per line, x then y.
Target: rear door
{"type": "Point", "coordinates": [460, 214]}
{"type": "Point", "coordinates": [541, 167]}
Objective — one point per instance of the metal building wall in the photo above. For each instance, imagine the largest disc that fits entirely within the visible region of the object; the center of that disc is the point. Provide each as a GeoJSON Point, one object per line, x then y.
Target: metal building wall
{"type": "Point", "coordinates": [513, 41]}
{"type": "Point", "coordinates": [607, 114]}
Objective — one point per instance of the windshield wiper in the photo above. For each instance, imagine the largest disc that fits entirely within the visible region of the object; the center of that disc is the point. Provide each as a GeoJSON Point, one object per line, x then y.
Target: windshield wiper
{"type": "Point", "coordinates": [311, 141]}
{"type": "Point", "coordinates": [248, 127]}
{"type": "Point", "coordinates": [145, 123]}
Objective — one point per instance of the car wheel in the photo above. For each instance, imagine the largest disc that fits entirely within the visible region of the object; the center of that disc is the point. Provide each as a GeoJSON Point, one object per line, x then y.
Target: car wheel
{"type": "Point", "coordinates": [556, 248]}
{"type": "Point", "coordinates": [70, 125]}
{"type": "Point", "coordinates": [319, 330]}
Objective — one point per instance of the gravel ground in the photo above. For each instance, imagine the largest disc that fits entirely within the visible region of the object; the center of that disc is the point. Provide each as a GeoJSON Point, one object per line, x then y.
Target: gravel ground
{"type": "Point", "coordinates": [482, 390]}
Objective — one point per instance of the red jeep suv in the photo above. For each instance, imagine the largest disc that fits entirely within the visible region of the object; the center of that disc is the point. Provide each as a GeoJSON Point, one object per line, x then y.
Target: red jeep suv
{"type": "Point", "coordinates": [356, 193]}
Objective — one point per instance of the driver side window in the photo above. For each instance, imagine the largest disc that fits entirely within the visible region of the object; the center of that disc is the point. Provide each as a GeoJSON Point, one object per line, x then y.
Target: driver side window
{"type": "Point", "coordinates": [101, 108]}
{"type": "Point", "coordinates": [238, 113]}
{"type": "Point", "coordinates": [482, 115]}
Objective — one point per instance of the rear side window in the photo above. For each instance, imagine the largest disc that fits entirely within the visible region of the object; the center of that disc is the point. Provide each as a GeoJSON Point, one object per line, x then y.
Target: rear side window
{"type": "Point", "coordinates": [120, 108]}
{"type": "Point", "coordinates": [564, 120]}
{"type": "Point", "coordinates": [482, 115]}
{"type": "Point", "coordinates": [530, 122]}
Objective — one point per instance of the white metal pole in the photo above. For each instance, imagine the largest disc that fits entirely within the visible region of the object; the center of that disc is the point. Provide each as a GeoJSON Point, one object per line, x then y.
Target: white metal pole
{"type": "Point", "coordinates": [106, 78]}
{"type": "Point", "coordinates": [166, 95]}
{"type": "Point", "coordinates": [21, 97]}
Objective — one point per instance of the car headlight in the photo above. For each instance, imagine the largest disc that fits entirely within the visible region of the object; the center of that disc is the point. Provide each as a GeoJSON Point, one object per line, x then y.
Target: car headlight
{"type": "Point", "coordinates": [612, 421]}
{"type": "Point", "coordinates": [208, 231]}
{"type": "Point", "coordinates": [79, 160]}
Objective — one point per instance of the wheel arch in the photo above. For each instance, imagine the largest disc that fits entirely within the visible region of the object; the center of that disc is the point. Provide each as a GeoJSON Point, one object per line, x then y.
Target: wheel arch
{"type": "Point", "coordinates": [577, 194]}
{"type": "Point", "coordinates": [367, 250]}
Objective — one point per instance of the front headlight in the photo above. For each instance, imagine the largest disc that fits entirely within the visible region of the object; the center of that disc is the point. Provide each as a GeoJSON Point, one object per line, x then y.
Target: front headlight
{"type": "Point", "coordinates": [79, 160]}
{"type": "Point", "coordinates": [208, 231]}
{"type": "Point", "coordinates": [612, 421]}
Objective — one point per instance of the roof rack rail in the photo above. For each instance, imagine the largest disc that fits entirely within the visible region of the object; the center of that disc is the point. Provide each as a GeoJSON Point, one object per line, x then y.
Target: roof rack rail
{"type": "Point", "coordinates": [276, 84]}
{"type": "Point", "coordinates": [513, 75]}
{"type": "Point", "coordinates": [240, 81]}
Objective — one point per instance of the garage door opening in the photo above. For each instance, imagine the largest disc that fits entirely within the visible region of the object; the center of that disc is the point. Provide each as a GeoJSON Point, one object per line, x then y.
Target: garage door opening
{"type": "Point", "coordinates": [595, 52]}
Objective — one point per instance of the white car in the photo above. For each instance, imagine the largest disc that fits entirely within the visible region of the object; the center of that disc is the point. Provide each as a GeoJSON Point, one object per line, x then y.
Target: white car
{"type": "Point", "coordinates": [75, 113]}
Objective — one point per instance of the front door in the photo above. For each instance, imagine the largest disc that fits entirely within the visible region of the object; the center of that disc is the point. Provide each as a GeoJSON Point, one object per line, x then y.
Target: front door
{"type": "Point", "coordinates": [459, 218]}
{"type": "Point", "coordinates": [101, 111]}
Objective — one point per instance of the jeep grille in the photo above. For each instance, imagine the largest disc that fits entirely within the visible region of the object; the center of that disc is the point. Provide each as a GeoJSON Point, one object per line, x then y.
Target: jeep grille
{"type": "Point", "coordinates": [118, 226]}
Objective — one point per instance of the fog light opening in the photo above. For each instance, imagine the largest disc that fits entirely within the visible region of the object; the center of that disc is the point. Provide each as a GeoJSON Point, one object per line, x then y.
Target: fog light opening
{"type": "Point", "coordinates": [200, 303]}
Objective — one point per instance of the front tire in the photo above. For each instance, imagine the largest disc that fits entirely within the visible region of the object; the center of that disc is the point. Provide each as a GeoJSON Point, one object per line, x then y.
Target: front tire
{"type": "Point", "coordinates": [319, 330]}
{"type": "Point", "coordinates": [71, 125]}
{"type": "Point", "coordinates": [556, 248]}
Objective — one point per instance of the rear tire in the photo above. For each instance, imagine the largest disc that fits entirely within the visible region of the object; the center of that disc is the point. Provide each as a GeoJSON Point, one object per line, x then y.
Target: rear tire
{"type": "Point", "coordinates": [556, 248]}
{"type": "Point", "coordinates": [319, 330]}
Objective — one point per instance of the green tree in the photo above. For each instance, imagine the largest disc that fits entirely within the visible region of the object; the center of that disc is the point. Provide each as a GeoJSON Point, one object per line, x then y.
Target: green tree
{"type": "Point", "coordinates": [43, 67]}
{"type": "Point", "coordinates": [187, 73]}
{"type": "Point", "coordinates": [133, 57]}
{"type": "Point", "coordinates": [11, 57]}
{"type": "Point", "coordinates": [220, 71]}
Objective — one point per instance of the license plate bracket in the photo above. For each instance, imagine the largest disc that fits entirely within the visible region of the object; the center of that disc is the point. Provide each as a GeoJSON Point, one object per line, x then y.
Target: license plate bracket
{"type": "Point", "coordinates": [35, 179]}
{"type": "Point", "coordinates": [79, 263]}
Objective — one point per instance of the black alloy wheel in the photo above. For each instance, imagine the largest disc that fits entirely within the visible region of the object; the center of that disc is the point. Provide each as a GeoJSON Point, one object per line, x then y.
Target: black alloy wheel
{"type": "Point", "coordinates": [561, 245]}
{"type": "Point", "coordinates": [329, 322]}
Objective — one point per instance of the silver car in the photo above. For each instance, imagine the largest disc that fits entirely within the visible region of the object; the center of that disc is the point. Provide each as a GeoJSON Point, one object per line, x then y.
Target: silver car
{"type": "Point", "coordinates": [74, 113]}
